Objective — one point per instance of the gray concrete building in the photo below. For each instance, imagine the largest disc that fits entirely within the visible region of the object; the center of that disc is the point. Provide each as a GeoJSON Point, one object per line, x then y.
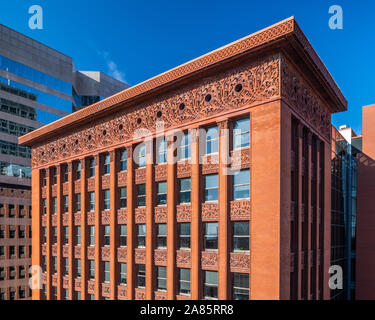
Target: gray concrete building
{"type": "Point", "coordinates": [38, 85]}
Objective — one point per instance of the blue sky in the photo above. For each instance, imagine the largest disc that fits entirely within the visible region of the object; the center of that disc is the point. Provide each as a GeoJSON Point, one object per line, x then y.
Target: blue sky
{"type": "Point", "coordinates": [135, 40]}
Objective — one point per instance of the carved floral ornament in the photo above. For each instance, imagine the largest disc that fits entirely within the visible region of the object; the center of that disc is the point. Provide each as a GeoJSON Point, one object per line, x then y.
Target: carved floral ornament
{"type": "Point", "coordinates": [247, 85]}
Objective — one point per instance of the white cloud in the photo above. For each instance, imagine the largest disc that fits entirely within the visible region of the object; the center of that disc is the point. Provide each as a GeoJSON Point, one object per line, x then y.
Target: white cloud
{"type": "Point", "coordinates": [113, 69]}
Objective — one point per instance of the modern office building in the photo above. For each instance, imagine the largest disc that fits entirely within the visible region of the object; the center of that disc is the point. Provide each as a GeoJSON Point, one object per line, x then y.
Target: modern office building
{"type": "Point", "coordinates": [38, 85]}
{"type": "Point", "coordinates": [113, 218]}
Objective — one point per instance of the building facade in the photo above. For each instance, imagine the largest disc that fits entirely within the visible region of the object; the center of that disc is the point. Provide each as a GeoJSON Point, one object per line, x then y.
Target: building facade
{"type": "Point", "coordinates": [115, 219]}
{"type": "Point", "coordinates": [38, 85]}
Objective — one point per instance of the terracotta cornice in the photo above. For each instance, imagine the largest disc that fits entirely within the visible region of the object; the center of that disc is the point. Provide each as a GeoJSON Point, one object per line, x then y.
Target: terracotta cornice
{"type": "Point", "coordinates": [286, 30]}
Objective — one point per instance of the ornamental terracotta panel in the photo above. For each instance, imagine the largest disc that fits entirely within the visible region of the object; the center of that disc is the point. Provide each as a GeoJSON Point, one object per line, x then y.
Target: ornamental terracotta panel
{"type": "Point", "coordinates": [44, 192]}
{"type": "Point", "coordinates": [160, 295]}
{"type": "Point", "coordinates": [209, 260]}
{"type": "Point", "coordinates": [91, 218]}
{"type": "Point", "coordinates": [44, 249]}
{"type": "Point", "coordinates": [140, 256]}
{"type": "Point", "coordinates": [161, 172]}
{"type": "Point", "coordinates": [210, 164]}
{"type": "Point", "coordinates": [44, 220]}
{"type": "Point", "coordinates": [91, 184]}
{"type": "Point", "coordinates": [161, 214]}
{"type": "Point", "coordinates": [140, 215]}
{"type": "Point", "coordinates": [183, 213]}
{"type": "Point", "coordinates": [91, 287]}
{"type": "Point", "coordinates": [106, 217]}
{"type": "Point", "coordinates": [54, 191]}
{"type": "Point", "coordinates": [91, 253]}
{"type": "Point", "coordinates": [160, 257]}
{"type": "Point", "coordinates": [122, 178]}
{"type": "Point", "coordinates": [122, 292]}
{"type": "Point", "coordinates": [105, 182]}
{"type": "Point", "coordinates": [45, 276]}
{"type": "Point", "coordinates": [54, 250]}
{"type": "Point", "coordinates": [240, 210]}
{"type": "Point", "coordinates": [183, 258]}
{"type": "Point", "coordinates": [106, 290]}
{"type": "Point", "coordinates": [241, 159]}
{"type": "Point", "coordinates": [65, 189]}
{"type": "Point", "coordinates": [122, 216]}
{"type": "Point", "coordinates": [65, 251]}
{"type": "Point", "coordinates": [140, 176]}
{"type": "Point", "coordinates": [122, 255]}
{"type": "Point", "coordinates": [140, 294]}
{"type": "Point", "coordinates": [210, 212]}
{"type": "Point", "coordinates": [77, 284]}
{"type": "Point", "coordinates": [54, 220]}
{"type": "Point", "coordinates": [106, 253]}
{"type": "Point", "coordinates": [65, 282]}
{"type": "Point", "coordinates": [77, 186]}
{"type": "Point", "coordinates": [178, 297]}
{"type": "Point", "coordinates": [240, 262]}
{"type": "Point", "coordinates": [65, 219]}
{"type": "Point", "coordinates": [77, 219]}
{"type": "Point", "coordinates": [183, 169]}
{"type": "Point", "coordinates": [77, 252]}
{"type": "Point", "coordinates": [15, 193]}
{"type": "Point", "coordinates": [54, 280]}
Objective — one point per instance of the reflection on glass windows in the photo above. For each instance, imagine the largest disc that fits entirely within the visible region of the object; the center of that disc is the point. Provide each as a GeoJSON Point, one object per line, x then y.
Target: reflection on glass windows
{"type": "Point", "coordinates": [240, 285]}
{"type": "Point", "coordinates": [185, 150]}
{"type": "Point", "coordinates": [14, 149]}
{"type": "Point", "coordinates": [212, 140]}
{"type": "Point", "coordinates": [211, 187]}
{"type": "Point", "coordinates": [241, 134]}
{"type": "Point", "coordinates": [14, 170]}
{"type": "Point", "coordinates": [241, 185]}
{"type": "Point", "coordinates": [17, 109]}
{"type": "Point", "coordinates": [14, 129]}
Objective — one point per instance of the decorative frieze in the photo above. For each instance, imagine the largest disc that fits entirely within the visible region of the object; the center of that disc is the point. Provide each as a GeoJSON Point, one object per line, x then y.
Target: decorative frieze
{"type": "Point", "coordinates": [183, 169]}
{"type": "Point", "coordinates": [160, 295]}
{"type": "Point", "coordinates": [106, 290]}
{"type": "Point", "coordinates": [65, 251]}
{"type": "Point", "coordinates": [122, 216]}
{"type": "Point", "coordinates": [210, 212]}
{"type": "Point", "coordinates": [106, 253]}
{"type": "Point", "coordinates": [91, 287]}
{"type": "Point", "coordinates": [106, 217]}
{"type": "Point", "coordinates": [241, 159]}
{"type": "Point", "coordinates": [183, 213]}
{"type": "Point", "coordinates": [161, 172]}
{"type": "Point", "coordinates": [122, 255]}
{"type": "Point", "coordinates": [77, 252]}
{"type": "Point", "coordinates": [122, 178]}
{"type": "Point", "coordinates": [91, 184]}
{"type": "Point", "coordinates": [91, 218]}
{"type": "Point", "coordinates": [65, 219]}
{"type": "Point", "coordinates": [122, 292]}
{"type": "Point", "coordinates": [77, 284]}
{"type": "Point", "coordinates": [77, 219]}
{"type": "Point", "coordinates": [140, 294]}
{"type": "Point", "coordinates": [65, 282]}
{"type": "Point", "coordinates": [105, 182]}
{"type": "Point", "coordinates": [140, 176]}
{"type": "Point", "coordinates": [209, 260]}
{"type": "Point", "coordinates": [140, 256]}
{"type": "Point", "coordinates": [240, 262]}
{"type": "Point", "coordinates": [91, 253]}
{"type": "Point", "coordinates": [160, 257]}
{"type": "Point", "coordinates": [183, 258]}
{"type": "Point", "coordinates": [77, 186]}
{"type": "Point", "coordinates": [210, 164]}
{"type": "Point", "coordinates": [140, 215]}
{"type": "Point", "coordinates": [161, 214]}
{"type": "Point", "coordinates": [240, 210]}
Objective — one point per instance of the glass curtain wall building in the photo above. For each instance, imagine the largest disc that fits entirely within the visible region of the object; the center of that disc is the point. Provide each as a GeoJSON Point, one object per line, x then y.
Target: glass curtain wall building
{"type": "Point", "coordinates": [38, 85]}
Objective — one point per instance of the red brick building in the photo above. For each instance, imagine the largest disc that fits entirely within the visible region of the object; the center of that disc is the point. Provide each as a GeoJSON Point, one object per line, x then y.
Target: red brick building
{"type": "Point", "coordinates": [105, 227]}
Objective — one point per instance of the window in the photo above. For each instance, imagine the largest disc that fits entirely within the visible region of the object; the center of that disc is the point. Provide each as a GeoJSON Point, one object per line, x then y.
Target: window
{"type": "Point", "coordinates": [78, 202]}
{"type": "Point", "coordinates": [44, 263]}
{"type": "Point", "coordinates": [78, 236]}
{"type": "Point", "coordinates": [106, 164]}
{"type": "Point", "coordinates": [91, 269]}
{"type": "Point", "coordinates": [210, 235]}
{"type": "Point", "coordinates": [141, 275]}
{"type": "Point", "coordinates": [12, 232]}
{"type": "Point", "coordinates": [54, 235]}
{"type": "Point", "coordinates": [12, 273]}
{"type": "Point", "coordinates": [92, 236]}
{"type": "Point", "coordinates": [185, 190]}
{"type": "Point", "coordinates": [162, 152]}
{"type": "Point", "coordinates": [107, 238]}
{"type": "Point", "coordinates": [123, 235]}
{"type": "Point", "coordinates": [91, 297]}
{"type": "Point", "coordinates": [44, 206]}
{"type": "Point", "coordinates": [162, 194]}
{"type": "Point", "coordinates": [22, 211]}
{"type": "Point", "coordinates": [211, 187]}
{"type": "Point", "coordinates": [78, 170]}
{"type": "Point", "coordinates": [185, 152]}
{"type": "Point", "coordinates": [1, 232]}
{"type": "Point", "coordinates": [12, 212]}
{"type": "Point", "coordinates": [241, 185]}
{"type": "Point", "coordinates": [66, 266]}
{"type": "Point", "coordinates": [141, 157]}
{"type": "Point", "coordinates": [66, 235]}
{"type": "Point", "coordinates": [123, 271]}
{"type": "Point", "coordinates": [141, 195]}
{"type": "Point", "coordinates": [210, 285]}
{"type": "Point", "coordinates": [141, 235]}
{"type": "Point", "coordinates": [106, 271]}
{"type": "Point", "coordinates": [12, 251]}
{"type": "Point", "coordinates": [184, 235]}
{"type": "Point", "coordinates": [54, 205]}
{"type": "Point", "coordinates": [2, 252]}
{"type": "Point", "coordinates": [66, 204]}
{"type": "Point", "coordinates": [123, 160]}
{"type": "Point", "coordinates": [161, 278]}
{"type": "Point", "coordinates": [241, 134]}
{"type": "Point", "coordinates": [54, 175]}
{"type": "Point", "coordinates": [162, 235]}
{"type": "Point", "coordinates": [2, 274]}
{"type": "Point", "coordinates": [65, 173]}
{"type": "Point", "coordinates": [66, 294]}
{"type": "Point", "coordinates": [21, 232]}
{"type": "Point", "coordinates": [212, 140]}
{"type": "Point", "coordinates": [78, 295]}
{"type": "Point", "coordinates": [241, 236]}
{"type": "Point", "coordinates": [21, 251]}
{"type": "Point", "coordinates": [21, 272]}
{"type": "Point", "coordinates": [91, 167]}
{"type": "Point", "coordinates": [44, 178]}
{"type": "Point", "coordinates": [184, 282]}
{"type": "Point", "coordinates": [54, 262]}
{"type": "Point", "coordinates": [106, 198]}
{"type": "Point", "coordinates": [123, 198]}
{"type": "Point", "coordinates": [91, 201]}
{"type": "Point", "coordinates": [240, 283]}
{"type": "Point", "coordinates": [78, 268]}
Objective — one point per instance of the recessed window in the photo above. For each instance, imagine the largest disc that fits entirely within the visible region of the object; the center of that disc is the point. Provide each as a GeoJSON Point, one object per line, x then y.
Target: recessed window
{"type": "Point", "coordinates": [241, 236]}
{"type": "Point", "coordinates": [106, 164]}
{"type": "Point", "coordinates": [92, 236]}
{"type": "Point", "coordinates": [141, 235]}
{"type": "Point", "coordinates": [66, 266]}
{"type": "Point", "coordinates": [91, 269]}
{"type": "Point", "coordinates": [106, 199]}
{"type": "Point", "coordinates": [141, 275]}
{"type": "Point", "coordinates": [212, 140]}
{"type": "Point", "coordinates": [161, 235]}
{"type": "Point", "coordinates": [78, 268]}
{"type": "Point", "coordinates": [66, 204]}
{"type": "Point", "coordinates": [78, 170]}
{"type": "Point", "coordinates": [123, 273]}
{"type": "Point", "coordinates": [54, 263]}
{"type": "Point", "coordinates": [44, 178]}
{"type": "Point", "coordinates": [140, 159]}
{"type": "Point", "coordinates": [185, 148]}
{"type": "Point", "coordinates": [123, 235]}
{"type": "Point", "coordinates": [184, 282]}
{"type": "Point", "coordinates": [107, 237]}
{"type": "Point", "coordinates": [123, 198]}
{"type": "Point", "coordinates": [78, 236]}
{"type": "Point", "coordinates": [66, 294]}
{"type": "Point", "coordinates": [91, 202]}
{"type": "Point", "coordinates": [65, 173]}
{"type": "Point", "coordinates": [211, 187]}
{"type": "Point", "coordinates": [54, 175]}
{"type": "Point", "coordinates": [185, 190]}
{"type": "Point", "coordinates": [106, 271]}
{"type": "Point", "coordinates": [44, 206]}
{"type": "Point", "coordinates": [78, 202]}
{"type": "Point", "coordinates": [184, 235]}
{"type": "Point", "coordinates": [91, 169]}
{"type": "Point", "coordinates": [161, 278]}
{"type": "Point", "coordinates": [162, 194]}
{"type": "Point", "coordinates": [141, 195]}
{"type": "Point", "coordinates": [241, 185]}
{"type": "Point", "coordinates": [211, 236]}
{"type": "Point", "coordinates": [240, 286]}
{"type": "Point", "coordinates": [210, 285]}
{"type": "Point", "coordinates": [162, 152]}
{"type": "Point", "coordinates": [123, 160]}
{"type": "Point", "coordinates": [54, 235]}
{"type": "Point", "coordinates": [44, 239]}
{"type": "Point", "coordinates": [54, 205]}
{"type": "Point", "coordinates": [241, 134]}
{"type": "Point", "coordinates": [66, 235]}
